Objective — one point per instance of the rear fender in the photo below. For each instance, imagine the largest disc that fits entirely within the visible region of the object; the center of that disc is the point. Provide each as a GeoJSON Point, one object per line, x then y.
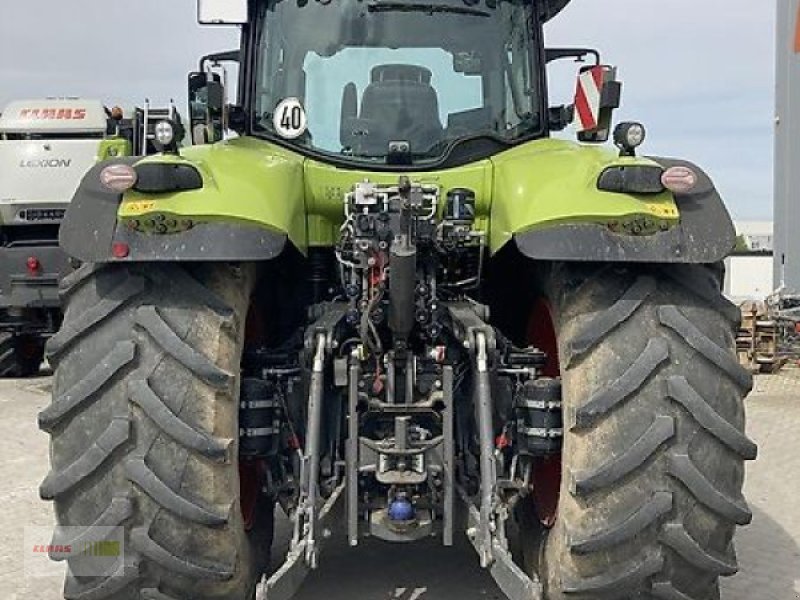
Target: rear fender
{"type": "Point", "coordinates": [247, 209]}
{"type": "Point", "coordinates": [702, 233]}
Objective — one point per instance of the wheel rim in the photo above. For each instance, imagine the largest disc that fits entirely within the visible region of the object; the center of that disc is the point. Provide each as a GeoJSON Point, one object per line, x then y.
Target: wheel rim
{"type": "Point", "coordinates": [252, 471]}
{"type": "Point", "coordinates": [251, 478]}
{"type": "Point", "coordinates": [546, 475]}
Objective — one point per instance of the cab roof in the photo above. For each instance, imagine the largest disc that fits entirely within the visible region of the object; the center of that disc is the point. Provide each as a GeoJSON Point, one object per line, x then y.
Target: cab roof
{"type": "Point", "coordinates": [58, 115]}
{"type": "Point", "coordinates": [553, 7]}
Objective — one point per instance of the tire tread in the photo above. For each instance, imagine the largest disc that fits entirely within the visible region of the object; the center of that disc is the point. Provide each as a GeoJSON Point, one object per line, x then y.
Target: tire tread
{"type": "Point", "coordinates": [617, 468]}
{"type": "Point", "coordinates": [62, 481]}
{"type": "Point", "coordinates": [82, 391]}
{"type": "Point", "coordinates": [143, 377]}
{"type": "Point", "coordinates": [148, 318]}
{"type": "Point", "coordinates": [599, 327]}
{"type": "Point", "coordinates": [140, 474]}
{"type": "Point", "coordinates": [676, 537]}
{"type": "Point", "coordinates": [143, 396]}
{"type": "Point", "coordinates": [141, 541]}
{"type": "Point", "coordinates": [684, 470]}
{"type": "Point", "coordinates": [658, 505]}
{"type": "Point", "coordinates": [605, 400]}
{"type": "Point", "coordinates": [127, 290]}
{"type": "Point", "coordinates": [647, 518]}
{"type": "Point", "coordinates": [619, 580]}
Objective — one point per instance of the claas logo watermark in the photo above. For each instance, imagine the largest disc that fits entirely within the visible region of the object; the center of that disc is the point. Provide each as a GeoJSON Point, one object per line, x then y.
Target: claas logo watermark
{"type": "Point", "coordinates": [90, 551]}
{"type": "Point", "coordinates": [102, 549]}
{"type": "Point", "coordinates": [99, 549]}
{"type": "Point", "coordinates": [53, 114]}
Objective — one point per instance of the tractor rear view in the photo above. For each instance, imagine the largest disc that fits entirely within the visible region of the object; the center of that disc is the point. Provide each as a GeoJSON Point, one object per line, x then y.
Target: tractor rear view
{"type": "Point", "coordinates": [393, 291]}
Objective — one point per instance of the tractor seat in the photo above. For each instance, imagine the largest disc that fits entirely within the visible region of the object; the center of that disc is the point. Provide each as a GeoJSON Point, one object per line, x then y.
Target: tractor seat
{"type": "Point", "coordinates": [409, 73]}
{"type": "Point", "coordinates": [400, 105]}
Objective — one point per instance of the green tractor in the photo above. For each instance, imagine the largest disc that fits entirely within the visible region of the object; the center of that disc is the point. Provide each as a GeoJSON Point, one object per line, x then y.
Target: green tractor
{"type": "Point", "coordinates": [378, 295]}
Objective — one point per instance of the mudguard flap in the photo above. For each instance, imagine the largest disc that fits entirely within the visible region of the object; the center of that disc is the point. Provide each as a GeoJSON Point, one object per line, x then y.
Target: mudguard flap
{"type": "Point", "coordinates": [705, 234]}
{"type": "Point", "coordinates": [90, 229]}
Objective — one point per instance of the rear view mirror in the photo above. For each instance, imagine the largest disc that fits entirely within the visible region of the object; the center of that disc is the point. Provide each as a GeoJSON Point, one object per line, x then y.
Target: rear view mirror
{"type": "Point", "coordinates": [222, 12]}
{"type": "Point", "coordinates": [597, 95]}
{"type": "Point", "coordinates": [206, 107]}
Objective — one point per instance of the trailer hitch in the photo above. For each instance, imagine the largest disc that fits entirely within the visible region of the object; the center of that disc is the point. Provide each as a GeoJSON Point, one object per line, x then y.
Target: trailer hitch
{"type": "Point", "coordinates": [286, 581]}
{"type": "Point", "coordinates": [487, 514]}
{"type": "Point", "coordinates": [310, 519]}
{"type": "Point", "coordinates": [486, 520]}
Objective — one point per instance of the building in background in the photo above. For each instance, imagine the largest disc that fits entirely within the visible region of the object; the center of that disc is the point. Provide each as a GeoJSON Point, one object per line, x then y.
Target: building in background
{"type": "Point", "coordinates": [786, 265]}
{"type": "Point", "coordinates": [757, 235]}
{"type": "Point", "coordinates": [749, 271]}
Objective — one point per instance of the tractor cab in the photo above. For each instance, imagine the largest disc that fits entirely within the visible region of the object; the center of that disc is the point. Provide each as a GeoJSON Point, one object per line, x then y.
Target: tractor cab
{"type": "Point", "coordinates": [395, 82]}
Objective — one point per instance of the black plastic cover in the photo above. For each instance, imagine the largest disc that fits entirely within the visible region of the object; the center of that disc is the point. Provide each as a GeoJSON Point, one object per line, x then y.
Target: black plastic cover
{"type": "Point", "coordinates": [633, 179]}
{"type": "Point", "coordinates": [160, 178]}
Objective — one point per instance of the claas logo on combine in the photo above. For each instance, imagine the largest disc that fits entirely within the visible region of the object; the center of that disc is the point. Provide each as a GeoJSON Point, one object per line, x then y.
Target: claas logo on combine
{"type": "Point", "coordinates": [54, 114]}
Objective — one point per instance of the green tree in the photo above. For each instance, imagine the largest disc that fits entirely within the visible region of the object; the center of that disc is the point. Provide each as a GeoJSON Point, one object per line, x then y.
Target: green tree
{"type": "Point", "coordinates": [741, 245]}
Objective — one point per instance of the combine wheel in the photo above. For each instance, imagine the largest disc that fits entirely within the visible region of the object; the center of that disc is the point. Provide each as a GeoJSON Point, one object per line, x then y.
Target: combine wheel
{"type": "Point", "coordinates": [20, 355]}
{"type": "Point", "coordinates": [144, 431]}
{"type": "Point", "coordinates": [654, 449]}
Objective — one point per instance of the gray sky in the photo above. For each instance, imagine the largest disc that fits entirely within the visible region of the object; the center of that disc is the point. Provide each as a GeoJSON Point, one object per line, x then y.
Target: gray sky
{"type": "Point", "coordinates": [698, 73]}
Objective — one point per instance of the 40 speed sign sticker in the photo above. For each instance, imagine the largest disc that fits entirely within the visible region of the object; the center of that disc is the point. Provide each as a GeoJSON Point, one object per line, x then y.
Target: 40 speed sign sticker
{"type": "Point", "coordinates": [290, 120]}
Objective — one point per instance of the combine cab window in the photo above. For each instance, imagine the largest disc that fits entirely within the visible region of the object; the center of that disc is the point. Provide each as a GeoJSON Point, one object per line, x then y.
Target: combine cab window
{"type": "Point", "coordinates": [369, 74]}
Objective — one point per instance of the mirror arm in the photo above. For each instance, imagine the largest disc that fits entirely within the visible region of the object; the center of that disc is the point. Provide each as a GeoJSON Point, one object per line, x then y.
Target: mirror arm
{"type": "Point", "coordinates": [559, 117]}
{"type": "Point", "coordinates": [237, 118]}
{"type": "Point", "coordinates": [579, 54]}
{"type": "Point", "coordinates": [218, 57]}
{"type": "Point", "coordinates": [611, 96]}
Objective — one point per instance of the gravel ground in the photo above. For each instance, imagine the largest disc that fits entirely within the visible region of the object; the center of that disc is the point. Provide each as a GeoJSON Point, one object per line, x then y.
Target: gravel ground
{"type": "Point", "coordinates": [769, 550]}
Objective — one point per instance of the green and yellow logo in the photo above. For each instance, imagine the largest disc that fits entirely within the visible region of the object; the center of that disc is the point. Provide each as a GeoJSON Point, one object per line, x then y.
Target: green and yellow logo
{"type": "Point", "coordinates": [108, 549]}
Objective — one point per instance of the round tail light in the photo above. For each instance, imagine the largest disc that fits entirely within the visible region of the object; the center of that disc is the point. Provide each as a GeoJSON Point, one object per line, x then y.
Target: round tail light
{"type": "Point", "coordinates": [33, 265]}
{"type": "Point", "coordinates": [120, 250]}
{"type": "Point", "coordinates": [679, 180]}
{"type": "Point", "coordinates": [118, 178]}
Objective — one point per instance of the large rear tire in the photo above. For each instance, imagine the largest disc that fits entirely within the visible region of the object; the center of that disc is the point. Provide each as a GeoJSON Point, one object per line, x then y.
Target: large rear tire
{"type": "Point", "coordinates": [654, 446]}
{"type": "Point", "coordinates": [144, 426]}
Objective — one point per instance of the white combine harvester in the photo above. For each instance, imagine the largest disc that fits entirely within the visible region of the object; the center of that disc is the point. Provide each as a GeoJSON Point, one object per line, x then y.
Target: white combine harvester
{"type": "Point", "coordinates": [46, 147]}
